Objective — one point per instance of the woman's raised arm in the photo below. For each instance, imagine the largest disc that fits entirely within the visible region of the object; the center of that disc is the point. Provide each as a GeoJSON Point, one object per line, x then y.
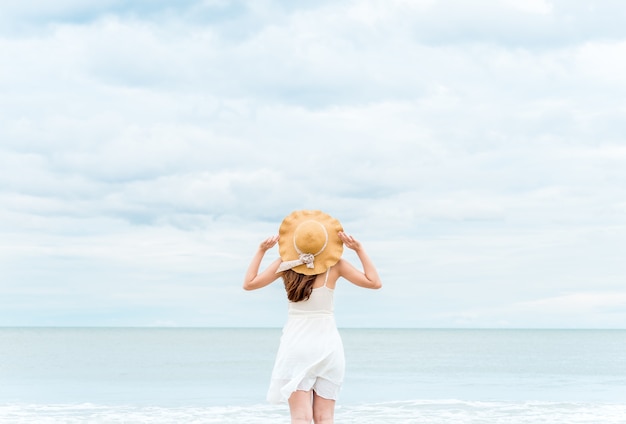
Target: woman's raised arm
{"type": "Point", "coordinates": [369, 277]}
{"type": "Point", "coordinates": [253, 280]}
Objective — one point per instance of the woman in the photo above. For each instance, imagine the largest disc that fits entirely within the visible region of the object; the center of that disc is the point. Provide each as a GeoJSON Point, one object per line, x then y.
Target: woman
{"type": "Point", "coordinates": [310, 366]}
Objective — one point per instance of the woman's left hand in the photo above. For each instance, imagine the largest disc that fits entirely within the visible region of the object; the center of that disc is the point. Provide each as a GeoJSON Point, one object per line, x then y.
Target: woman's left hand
{"type": "Point", "coordinates": [268, 243]}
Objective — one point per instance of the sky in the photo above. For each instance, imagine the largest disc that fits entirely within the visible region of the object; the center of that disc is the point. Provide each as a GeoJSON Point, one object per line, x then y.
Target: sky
{"type": "Point", "coordinates": [476, 149]}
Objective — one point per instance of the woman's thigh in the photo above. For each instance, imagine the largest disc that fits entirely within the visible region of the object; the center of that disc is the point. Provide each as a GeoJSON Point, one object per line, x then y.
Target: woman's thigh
{"type": "Point", "coordinates": [300, 406]}
{"type": "Point", "coordinates": [323, 409]}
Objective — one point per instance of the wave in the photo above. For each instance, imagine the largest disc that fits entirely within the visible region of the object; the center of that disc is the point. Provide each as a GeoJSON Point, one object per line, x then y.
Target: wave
{"type": "Point", "coordinates": [416, 411]}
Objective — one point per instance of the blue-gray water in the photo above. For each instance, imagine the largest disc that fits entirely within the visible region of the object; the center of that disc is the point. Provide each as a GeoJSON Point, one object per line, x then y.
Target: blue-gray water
{"type": "Point", "coordinates": [136, 375]}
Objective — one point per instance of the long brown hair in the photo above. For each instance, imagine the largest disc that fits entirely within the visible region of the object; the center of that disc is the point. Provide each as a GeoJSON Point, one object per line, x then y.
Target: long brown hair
{"type": "Point", "coordinates": [298, 286]}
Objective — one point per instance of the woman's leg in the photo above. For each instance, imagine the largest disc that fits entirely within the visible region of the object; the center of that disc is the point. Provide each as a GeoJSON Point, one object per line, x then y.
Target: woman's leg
{"type": "Point", "coordinates": [300, 407]}
{"type": "Point", "coordinates": [323, 410]}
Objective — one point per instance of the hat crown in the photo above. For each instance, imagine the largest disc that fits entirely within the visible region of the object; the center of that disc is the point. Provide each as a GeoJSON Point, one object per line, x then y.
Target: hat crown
{"type": "Point", "coordinates": [310, 237]}
{"type": "Point", "coordinates": [309, 242]}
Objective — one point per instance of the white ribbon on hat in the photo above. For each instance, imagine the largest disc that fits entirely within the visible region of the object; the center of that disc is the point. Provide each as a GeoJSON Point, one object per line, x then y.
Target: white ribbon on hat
{"type": "Point", "coordinates": [305, 258]}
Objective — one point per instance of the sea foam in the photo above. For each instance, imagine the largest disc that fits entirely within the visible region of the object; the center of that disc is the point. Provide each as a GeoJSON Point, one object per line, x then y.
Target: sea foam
{"type": "Point", "coordinates": [418, 411]}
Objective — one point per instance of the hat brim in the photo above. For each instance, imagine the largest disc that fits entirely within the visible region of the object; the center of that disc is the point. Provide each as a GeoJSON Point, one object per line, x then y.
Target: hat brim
{"type": "Point", "coordinates": [324, 260]}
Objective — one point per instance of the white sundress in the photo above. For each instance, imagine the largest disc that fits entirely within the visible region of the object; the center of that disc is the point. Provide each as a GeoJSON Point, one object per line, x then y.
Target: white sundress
{"type": "Point", "coordinates": [310, 355]}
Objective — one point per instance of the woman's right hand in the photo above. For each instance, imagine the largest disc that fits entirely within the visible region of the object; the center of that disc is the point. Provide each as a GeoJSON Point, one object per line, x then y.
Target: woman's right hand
{"type": "Point", "coordinates": [349, 241]}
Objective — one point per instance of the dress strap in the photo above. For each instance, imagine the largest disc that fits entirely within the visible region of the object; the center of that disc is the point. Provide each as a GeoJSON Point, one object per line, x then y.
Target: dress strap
{"type": "Point", "coordinates": [326, 278]}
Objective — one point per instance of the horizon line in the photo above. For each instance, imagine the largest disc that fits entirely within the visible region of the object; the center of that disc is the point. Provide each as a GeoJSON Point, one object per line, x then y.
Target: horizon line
{"type": "Point", "coordinates": [187, 327]}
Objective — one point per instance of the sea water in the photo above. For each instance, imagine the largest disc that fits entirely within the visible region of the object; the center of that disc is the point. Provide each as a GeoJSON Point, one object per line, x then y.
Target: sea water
{"type": "Point", "coordinates": [178, 375]}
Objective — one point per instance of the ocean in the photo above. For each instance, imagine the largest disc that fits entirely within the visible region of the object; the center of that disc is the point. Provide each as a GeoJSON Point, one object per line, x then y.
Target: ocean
{"type": "Point", "coordinates": [220, 375]}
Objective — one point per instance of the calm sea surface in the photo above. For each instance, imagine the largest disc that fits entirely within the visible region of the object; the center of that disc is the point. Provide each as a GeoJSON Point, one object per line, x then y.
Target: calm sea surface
{"type": "Point", "coordinates": [158, 375]}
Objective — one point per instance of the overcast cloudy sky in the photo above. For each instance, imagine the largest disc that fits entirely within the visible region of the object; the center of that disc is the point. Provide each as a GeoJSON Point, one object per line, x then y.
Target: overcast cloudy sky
{"type": "Point", "coordinates": [476, 148]}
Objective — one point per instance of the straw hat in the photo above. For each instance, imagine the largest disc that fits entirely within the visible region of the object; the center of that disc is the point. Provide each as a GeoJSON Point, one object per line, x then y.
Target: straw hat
{"type": "Point", "coordinates": [308, 242]}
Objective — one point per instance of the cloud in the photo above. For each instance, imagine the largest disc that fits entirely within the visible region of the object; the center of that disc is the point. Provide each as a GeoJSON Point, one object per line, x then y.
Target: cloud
{"type": "Point", "coordinates": [577, 303]}
{"type": "Point", "coordinates": [476, 147]}
{"type": "Point", "coordinates": [574, 310]}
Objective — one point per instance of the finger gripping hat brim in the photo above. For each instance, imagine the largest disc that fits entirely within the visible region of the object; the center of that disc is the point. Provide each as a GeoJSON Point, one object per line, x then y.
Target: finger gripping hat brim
{"type": "Point", "coordinates": [312, 235]}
